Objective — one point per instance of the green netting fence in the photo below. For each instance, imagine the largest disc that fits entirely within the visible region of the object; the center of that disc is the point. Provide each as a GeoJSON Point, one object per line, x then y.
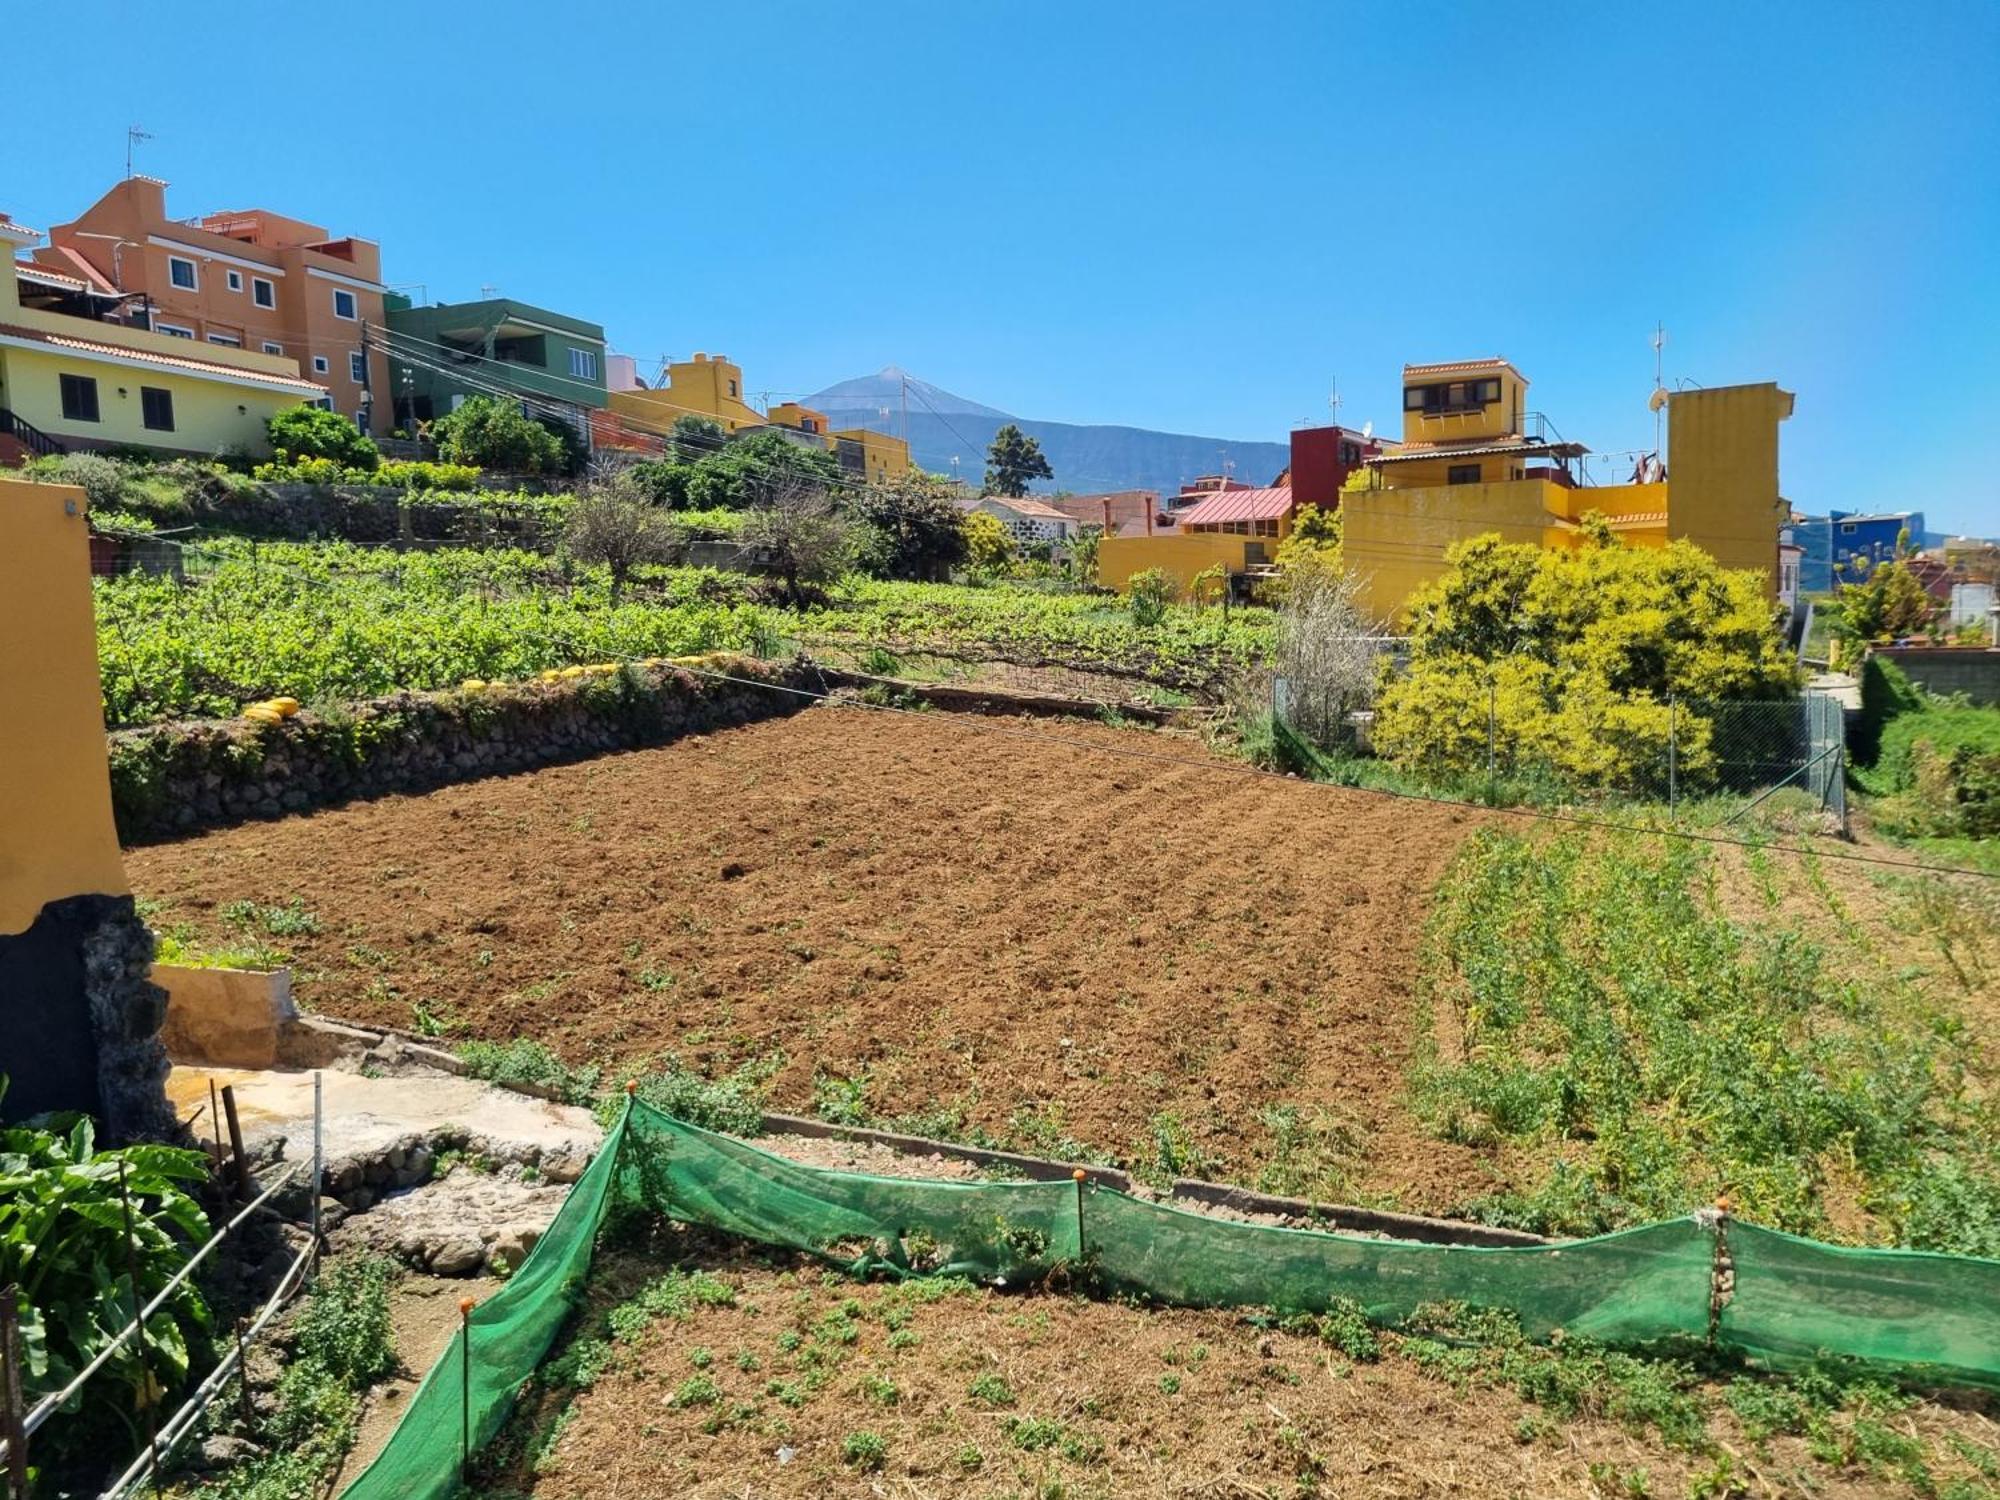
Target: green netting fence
{"type": "Point", "coordinates": [1784, 1301]}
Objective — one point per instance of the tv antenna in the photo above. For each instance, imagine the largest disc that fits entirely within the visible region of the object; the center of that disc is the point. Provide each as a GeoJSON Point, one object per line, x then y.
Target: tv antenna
{"type": "Point", "coordinates": [133, 135]}
{"type": "Point", "coordinates": [1658, 400]}
{"type": "Point", "coordinates": [1333, 401]}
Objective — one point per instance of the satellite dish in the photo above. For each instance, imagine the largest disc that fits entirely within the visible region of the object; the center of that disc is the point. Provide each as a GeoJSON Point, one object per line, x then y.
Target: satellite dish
{"type": "Point", "coordinates": [1368, 429]}
{"type": "Point", "coordinates": [1658, 399]}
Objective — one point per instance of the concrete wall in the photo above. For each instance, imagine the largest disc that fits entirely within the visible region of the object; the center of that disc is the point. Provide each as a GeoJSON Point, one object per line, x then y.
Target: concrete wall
{"type": "Point", "coordinates": [1183, 554]}
{"type": "Point", "coordinates": [77, 1013]}
{"type": "Point", "coordinates": [1948, 669]}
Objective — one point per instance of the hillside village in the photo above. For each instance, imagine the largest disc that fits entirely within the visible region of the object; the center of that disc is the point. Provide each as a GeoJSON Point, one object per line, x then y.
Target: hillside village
{"type": "Point", "coordinates": [569, 928]}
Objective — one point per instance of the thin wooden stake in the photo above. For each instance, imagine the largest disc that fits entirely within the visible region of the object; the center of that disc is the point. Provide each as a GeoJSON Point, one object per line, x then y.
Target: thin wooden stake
{"type": "Point", "coordinates": [11, 1400]}
{"type": "Point", "coordinates": [150, 1398]}
{"type": "Point", "coordinates": [236, 1141]}
{"type": "Point", "coordinates": [215, 1124]}
{"type": "Point", "coordinates": [1079, 1175]}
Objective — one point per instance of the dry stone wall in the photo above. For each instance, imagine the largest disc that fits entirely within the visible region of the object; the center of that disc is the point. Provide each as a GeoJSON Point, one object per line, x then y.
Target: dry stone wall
{"type": "Point", "coordinates": [172, 779]}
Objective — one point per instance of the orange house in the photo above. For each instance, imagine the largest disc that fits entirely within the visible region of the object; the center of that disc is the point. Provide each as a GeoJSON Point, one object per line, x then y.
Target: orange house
{"type": "Point", "coordinates": [250, 280]}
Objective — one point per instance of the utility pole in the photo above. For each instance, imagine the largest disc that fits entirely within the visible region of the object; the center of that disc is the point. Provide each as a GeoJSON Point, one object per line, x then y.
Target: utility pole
{"type": "Point", "coordinates": [133, 135]}
{"type": "Point", "coordinates": [906, 408]}
{"type": "Point", "coordinates": [367, 387]}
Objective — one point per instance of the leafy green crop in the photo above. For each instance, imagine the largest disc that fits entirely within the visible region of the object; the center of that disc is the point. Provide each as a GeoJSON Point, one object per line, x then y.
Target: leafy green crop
{"type": "Point", "coordinates": [63, 1240]}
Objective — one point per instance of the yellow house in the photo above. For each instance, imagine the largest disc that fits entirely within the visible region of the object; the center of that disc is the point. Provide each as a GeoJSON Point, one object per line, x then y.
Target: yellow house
{"type": "Point", "coordinates": [1468, 466]}
{"type": "Point", "coordinates": [876, 456]}
{"type": "Point", "coordinates": [70, 381]}
{"type": "Point", "coordinates": [705, 386]}
{"type": "Point", "coordinates": [1236, 530]}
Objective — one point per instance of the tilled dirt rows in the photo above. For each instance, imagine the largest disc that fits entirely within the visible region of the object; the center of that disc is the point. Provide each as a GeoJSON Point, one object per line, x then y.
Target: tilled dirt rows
{"type": "Point", "coordinates": [976, 914]}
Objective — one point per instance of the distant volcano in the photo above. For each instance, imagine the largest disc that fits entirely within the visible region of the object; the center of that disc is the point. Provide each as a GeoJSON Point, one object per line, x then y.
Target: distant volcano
{"type": "Point", "coordinates": [943, 426]}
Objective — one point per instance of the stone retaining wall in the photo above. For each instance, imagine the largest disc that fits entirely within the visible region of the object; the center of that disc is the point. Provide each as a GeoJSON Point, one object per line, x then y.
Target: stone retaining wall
{"type": "Point", "coordinates": [171, 779]}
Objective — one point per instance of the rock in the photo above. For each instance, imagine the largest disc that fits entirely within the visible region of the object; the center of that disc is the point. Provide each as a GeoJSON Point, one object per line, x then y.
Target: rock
{"type": "Point", "coordinates": [512, 1245]}
{"type": "Point", "coordinates": [398, 1158]}
{"type": "Point", "coordinates": [226, 1452]}
{"type": "Point", "coordinates": [457, 1257]}
{"type": "Point", "coordinates": [332, 1213]}
{"type": "Point", "coordinates": [563, 1164]}
{"type": "Point", "coordinates": [417, 1164]}
{"type": "Point", "coordinates": [360, 1200]}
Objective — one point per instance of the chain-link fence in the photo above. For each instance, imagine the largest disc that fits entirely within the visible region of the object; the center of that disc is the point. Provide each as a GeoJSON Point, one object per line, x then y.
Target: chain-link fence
{"type": "Point", "coordinates": [1704, 760]}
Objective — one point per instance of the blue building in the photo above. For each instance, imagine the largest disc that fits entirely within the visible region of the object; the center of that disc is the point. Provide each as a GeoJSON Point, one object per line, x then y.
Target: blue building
{"type": "Point", "coordinates": [1833, 542]}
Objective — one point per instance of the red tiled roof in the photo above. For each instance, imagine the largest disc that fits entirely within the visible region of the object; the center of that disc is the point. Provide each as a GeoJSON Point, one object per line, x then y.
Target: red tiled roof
{"type": "Point", "coordinates": [164, 361]}
{"type": "Point", "coordinates": [1129, 510]}
{"type": "Point", "coordinates": [27, 270]}
{"type": "Point", "coordinates": [1239, 505]}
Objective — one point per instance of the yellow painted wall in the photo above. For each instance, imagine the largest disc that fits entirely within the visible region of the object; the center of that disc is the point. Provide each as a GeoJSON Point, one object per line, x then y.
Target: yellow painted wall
{"type": "Point", "coordinates": [208, 414]}
{"type": "Point", "coordinates": [56, 834]}
{"type": "Point", "coordinates": [1394, 541]}
{"type": "Point", "coordinates": [791, 414]}
{"type": "Point", "coordinates": [1183, 554]}
{"type": "Point", "coordinates": [1722, 470]}
{"type": "Point", "coordinates": [883, 457]}
{"type": "Point", "coordinates": [205, 409]}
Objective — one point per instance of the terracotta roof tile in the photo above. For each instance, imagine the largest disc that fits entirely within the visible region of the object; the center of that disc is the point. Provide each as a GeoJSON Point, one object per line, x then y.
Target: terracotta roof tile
{"type": "Point", "coordinates": [164, 361]}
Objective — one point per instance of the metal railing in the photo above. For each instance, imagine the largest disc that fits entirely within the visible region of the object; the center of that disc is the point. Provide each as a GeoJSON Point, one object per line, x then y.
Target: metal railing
{"type": "Point", "coordinates": [29, 436]}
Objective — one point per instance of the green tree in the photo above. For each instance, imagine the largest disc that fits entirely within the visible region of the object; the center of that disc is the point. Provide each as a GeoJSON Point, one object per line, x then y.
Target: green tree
{"type": "Point", "coordinates": [492, 433]}
{"type": "Point", "coordinates": [754, 470]}
{"type": "Point", "coordinates": [914, 528]}
{"type": "Point", "coordinates": [1572, 657]}
{"type": "Point", "coordinates": [696, 437]}
{"type": "Point", "coordinates": [1891, 601]}
{"type": "Point", "coordinates": [304, 432]}
{"type": "Point", "coordinates": [1148, 592]}
{"type": "Point", "coordinates": [1012, 461]}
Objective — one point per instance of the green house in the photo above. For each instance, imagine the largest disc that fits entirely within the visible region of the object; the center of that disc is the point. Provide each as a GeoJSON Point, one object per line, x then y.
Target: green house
{"type": "Point", "coordinates": [441, 355]}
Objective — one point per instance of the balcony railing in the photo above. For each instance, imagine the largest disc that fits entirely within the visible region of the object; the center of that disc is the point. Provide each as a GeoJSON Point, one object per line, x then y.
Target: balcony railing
{"type": "Point", "coordinates": [30, 437]}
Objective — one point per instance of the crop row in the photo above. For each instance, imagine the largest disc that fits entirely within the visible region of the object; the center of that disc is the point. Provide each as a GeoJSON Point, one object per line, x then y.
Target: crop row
{"type": "Point", "coordinates": [333, 622]}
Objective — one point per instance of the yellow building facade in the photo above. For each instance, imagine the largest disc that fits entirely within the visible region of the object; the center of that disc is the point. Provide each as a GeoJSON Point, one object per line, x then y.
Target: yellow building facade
{"type": "Point", "coordinates": [1466, 467]}
{"type": "Point", "coordinates": [56, 833]}
{"type": "Point", "coordinates": [706, 386]}
{"type": "Point", "coordinates": [87, 383]}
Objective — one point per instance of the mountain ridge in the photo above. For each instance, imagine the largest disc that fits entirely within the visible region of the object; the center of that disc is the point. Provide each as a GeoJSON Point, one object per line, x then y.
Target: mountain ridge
{"type": "Point", "coordinates": [1086, 457]}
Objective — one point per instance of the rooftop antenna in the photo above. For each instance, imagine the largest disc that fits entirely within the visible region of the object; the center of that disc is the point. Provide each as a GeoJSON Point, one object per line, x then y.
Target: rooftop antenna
{"type": "Point", "coordinates": [1333, 401]}
{"type": "Point", "coordinates": [487, 289]}
{"type": "Point", "coordinates": [133, 135]}
{"type": "Point", "coordinates": [1658, 400]}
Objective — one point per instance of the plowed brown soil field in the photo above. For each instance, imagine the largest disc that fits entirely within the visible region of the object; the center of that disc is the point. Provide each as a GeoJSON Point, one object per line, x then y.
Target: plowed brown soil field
{"type": "Point", "coordinates": [1018, 922]}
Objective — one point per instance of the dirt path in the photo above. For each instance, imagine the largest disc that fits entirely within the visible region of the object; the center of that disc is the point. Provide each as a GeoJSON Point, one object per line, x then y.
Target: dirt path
{"type": "Point", "coordinates": [971, 918]}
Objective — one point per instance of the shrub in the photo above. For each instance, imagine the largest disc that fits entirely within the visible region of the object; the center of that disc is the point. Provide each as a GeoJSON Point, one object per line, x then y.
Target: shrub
{"type": "Point", "coordinates": [915, 528]}
{"type": "Point", "coordinates": [1150, 591]}
{"type": "Point", "coordinates": [989, 546]}
{"type": "Point", "coordinates": [526, 1061]}
{"type": "Point", "coordinates": [101, 479]}
{"type": "Point", "coordinates": [612, 523]}
{"type": "Point", "coordinates": [313, 432]}
{"type": "Point", "coordinates": [1565, 661]}
{"type": "Point", "coordinates": [490, 433]}
{"type": "Point", "coordinates": [1942, 769]}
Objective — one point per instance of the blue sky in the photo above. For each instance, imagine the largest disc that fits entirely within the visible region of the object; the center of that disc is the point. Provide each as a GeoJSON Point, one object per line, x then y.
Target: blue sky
{"type": "Point", "coordinates": [1193, 217]}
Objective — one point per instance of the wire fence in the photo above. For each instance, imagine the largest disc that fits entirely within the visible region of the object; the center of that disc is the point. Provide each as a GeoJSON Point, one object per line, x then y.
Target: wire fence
{"type": "Point", "coordinates": [1707, 759]}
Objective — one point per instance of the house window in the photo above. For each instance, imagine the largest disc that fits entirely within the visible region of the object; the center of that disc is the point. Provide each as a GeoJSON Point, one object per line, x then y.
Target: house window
{"type": "Point", "coordinates": [1462, 474]}
{"type": "Point", "coordinates": [156, 408]}
{"type": "Point", "coordinates": [227, 340]}
{"type": "Point", "coordinates": [1847, 528]}
{"type": "Point", "coordinates": [263, 293]}
{"type": "Point", "coordinates": [343, 304]}
{"type": "Point", "coordinates": [181, 272]}
{"type": "Point", "coordinates": [319, 364]}
{"type": "Point", "coordinates": [583, 363]}
{"type": "Point", "coordinates": [732, 387]}
{"type": "Point", "coordinates": [79, 398]}
{"type": "Point", "coordinates": [357, 367]}
{"type": "Point", "coordinates": [235, 280]}
{"type": "Point", "coordinates": [324, 403]}
{"type": "Point", "coordinates": [271, 348]}
{"type": "Point", "coordinates": [173, 330]}
{"type": "Point", "coordinates": [1451, 396]}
